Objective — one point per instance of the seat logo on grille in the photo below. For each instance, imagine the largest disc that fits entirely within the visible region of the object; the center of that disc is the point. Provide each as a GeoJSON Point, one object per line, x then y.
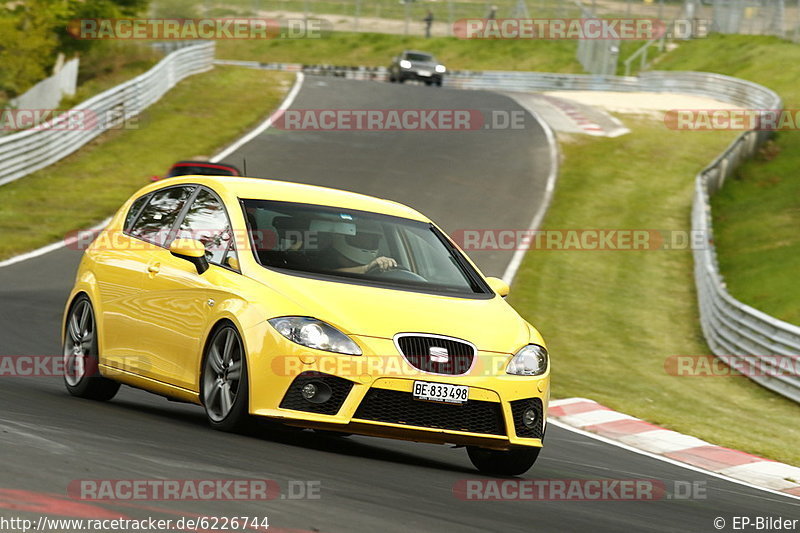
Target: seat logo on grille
{"type": "Point", "coordinates": [438, 354]}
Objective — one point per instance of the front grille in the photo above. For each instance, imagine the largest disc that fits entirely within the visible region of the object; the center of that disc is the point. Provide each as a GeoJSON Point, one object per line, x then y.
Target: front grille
{"type": "Point", "coordinates": [518, 407]}
{"type": "Point", "coordinates": [417, 351]}
{"type": "Point", "coordinates": [340, 388]}
{"type": "Point", "coordinates": [475, 416]}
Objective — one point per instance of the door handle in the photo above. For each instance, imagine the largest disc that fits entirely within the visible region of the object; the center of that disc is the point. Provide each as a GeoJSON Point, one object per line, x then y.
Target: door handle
{"type": "Point", "coordinates": [154, 268]}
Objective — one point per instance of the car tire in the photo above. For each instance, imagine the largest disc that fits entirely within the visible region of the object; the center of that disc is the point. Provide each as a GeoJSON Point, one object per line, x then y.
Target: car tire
{"type": "Point", "coordinates": [224, 385]}
{"type": "Point", "coordinates": [503, 462]}
{"type": "Point", "coordinates": [80, 350]}
{"type": "Point", "coordinates": [401, 80]}
{"type": "Point", "coordinates": [438, 83]}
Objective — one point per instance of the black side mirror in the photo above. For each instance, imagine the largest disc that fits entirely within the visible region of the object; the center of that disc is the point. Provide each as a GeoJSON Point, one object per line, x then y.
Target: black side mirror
{"type": "Point", "coordinates": [191, 250]}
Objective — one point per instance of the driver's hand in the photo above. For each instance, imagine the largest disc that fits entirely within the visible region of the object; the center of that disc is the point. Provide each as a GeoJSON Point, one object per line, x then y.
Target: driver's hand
{"type": "Point", "coordinates": [382, 264]}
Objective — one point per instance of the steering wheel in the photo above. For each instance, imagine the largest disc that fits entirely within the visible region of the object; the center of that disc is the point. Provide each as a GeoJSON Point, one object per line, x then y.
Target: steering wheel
{"type": "Point", "coordinates": [398, 272]}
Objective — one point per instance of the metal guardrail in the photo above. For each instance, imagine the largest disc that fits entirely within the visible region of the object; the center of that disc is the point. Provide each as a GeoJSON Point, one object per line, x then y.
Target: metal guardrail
{"type": "Point", "coordinates": [339, 71]}
{"type": "Point", "coordinates": [642, 54]}
{"type": "Point", "coordinates": [724, 88]}
{"type": "Point", "coordinates": [47, 94]}
{"type": "Point", "coordinates": [27, 151]}
{"type": "Point", "coordinates": [735, 331]}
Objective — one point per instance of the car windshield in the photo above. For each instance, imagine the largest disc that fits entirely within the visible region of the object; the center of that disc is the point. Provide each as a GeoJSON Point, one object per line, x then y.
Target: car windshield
{"type": "Point", "coordinates": [357, 246]}
{"type": "Point", "coordinates": [413, 56]}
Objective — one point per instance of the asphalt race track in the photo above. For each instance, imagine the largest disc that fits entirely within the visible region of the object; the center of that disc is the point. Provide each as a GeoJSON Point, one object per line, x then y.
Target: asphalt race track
{"type": "Point", "coordinates": [478, 179]}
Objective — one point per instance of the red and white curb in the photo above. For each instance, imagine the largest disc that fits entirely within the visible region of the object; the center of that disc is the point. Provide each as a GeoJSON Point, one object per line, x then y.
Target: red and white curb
{"type": "Point", "coordinates": [576, 116]}
{"type": "Point", "coordinates": [590, 416]}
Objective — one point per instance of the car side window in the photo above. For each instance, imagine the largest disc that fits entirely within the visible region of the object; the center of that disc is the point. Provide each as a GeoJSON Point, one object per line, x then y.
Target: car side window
{"type": "Point", "coordinates": [133, 212]}
{"type": "Point", "coordinates": [207, 221]}
{"type": "Point", "coordinates": [159, 215]}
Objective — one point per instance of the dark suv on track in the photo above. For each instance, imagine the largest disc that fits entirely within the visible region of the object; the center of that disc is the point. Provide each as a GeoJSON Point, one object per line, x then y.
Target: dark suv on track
{"type": "Point", "coordinates": [415, 65]}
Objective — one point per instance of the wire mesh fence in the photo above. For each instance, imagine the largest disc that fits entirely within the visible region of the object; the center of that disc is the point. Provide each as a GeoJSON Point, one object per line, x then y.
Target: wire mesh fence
{"type": "Point", "coordinates": [682, 19]}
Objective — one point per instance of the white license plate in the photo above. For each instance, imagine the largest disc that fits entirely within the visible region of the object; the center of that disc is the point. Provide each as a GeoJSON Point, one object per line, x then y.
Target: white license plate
{"type": "Point", "coordinates": [424, 72]}
{"type": "Point", "coordinates": [440, 392]}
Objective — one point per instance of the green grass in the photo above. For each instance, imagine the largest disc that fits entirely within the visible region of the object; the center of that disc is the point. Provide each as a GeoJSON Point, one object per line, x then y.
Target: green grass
{"type": "Point", "coordinates": [375, 49]}
{"type": "Point", "coordinates": [756, 221]}
{"type": "Point", "coordinates": [756, 214]}
{"type": "Point", "coordinates": [611, 318]}
{"type": "Point", "coordinates": [199, 116]}
{"type": "Point", "coordinates": [110, 63]}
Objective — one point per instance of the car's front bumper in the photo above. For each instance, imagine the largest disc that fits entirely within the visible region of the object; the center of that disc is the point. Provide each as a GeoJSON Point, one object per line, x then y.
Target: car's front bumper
{"type": "Point", "coordinates": [416, 75]}
{"type": "Point", "coordinates": [373, 395]}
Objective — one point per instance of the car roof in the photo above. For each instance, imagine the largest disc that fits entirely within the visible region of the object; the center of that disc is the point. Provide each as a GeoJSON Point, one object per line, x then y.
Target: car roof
{"type": "Point", "coordinates": [286, 191]}
{"type": "Point", "coordinates": [417, 52]}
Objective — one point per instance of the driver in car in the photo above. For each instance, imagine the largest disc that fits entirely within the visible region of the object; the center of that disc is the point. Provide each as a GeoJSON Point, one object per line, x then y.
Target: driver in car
{"type": "Point", "coordinates": [358, 254]}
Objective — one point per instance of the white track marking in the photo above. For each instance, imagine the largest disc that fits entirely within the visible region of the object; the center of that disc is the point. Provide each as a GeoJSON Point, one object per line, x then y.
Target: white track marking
{"type": "Point", "coordinates": [552, 144]}
{"type": "Point", "coordinates": [663, 441]}
{"type": "Point", "coordinates": [591, 418]}
{"type": "Point", "coordinates": [668, 460]}
{"type": "Point", "coordinates": [286, 104]}
{"type": "Point", "coordinates": [569, 401]}
{"type": "Point", "coordinates": [774, 475]}
{"type": "Point", "coordinates": [50, 247]}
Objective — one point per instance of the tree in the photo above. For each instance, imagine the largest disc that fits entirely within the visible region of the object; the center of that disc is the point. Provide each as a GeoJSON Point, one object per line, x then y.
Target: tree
{"type": "Point", "coordinates": [32, 33]}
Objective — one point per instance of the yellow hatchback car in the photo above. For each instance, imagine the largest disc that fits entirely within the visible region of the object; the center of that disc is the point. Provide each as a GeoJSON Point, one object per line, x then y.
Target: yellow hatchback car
{"type": "Point", "coordinates": [322, 308]}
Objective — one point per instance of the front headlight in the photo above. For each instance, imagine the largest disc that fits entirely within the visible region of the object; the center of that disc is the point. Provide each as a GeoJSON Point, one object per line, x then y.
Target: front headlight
{"type": "Point", "coordinates": [404, 63]}
{"type": "Point", "coordinates": [440, 69]}
{"type": "Point", "coordinates": [314, 333]}
{"type": "Point", "coordinates": [529, 361]}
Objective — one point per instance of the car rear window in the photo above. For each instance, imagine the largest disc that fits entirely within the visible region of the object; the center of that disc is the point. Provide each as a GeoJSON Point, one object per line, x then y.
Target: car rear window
{"type": "Point", "coordinates": [134, 211]}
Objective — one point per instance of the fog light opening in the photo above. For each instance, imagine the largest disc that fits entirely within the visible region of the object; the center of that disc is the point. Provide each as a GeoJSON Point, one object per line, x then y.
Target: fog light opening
{"type": "Point", "coordinates": [529, 418]}
{"type": "Point", "coordinates": [316, 392]}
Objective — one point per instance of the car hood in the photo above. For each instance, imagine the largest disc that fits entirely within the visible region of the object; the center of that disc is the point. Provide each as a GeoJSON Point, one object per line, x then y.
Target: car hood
{"type": "Point", "coordinates": [490, 324]}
